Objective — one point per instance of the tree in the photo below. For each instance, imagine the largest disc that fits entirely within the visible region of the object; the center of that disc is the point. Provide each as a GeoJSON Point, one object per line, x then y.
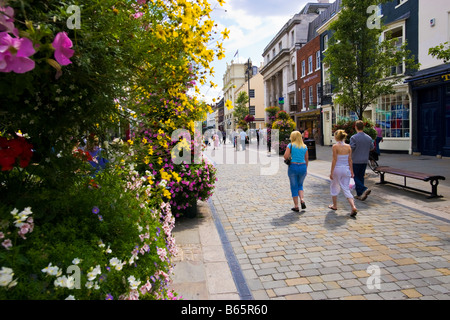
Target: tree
{"type": "Point", "coordinates": [441, 52]}
{"type": "Point", "coordinates": [360, 64]}
{"type": "Point", "coordinates": [241, 109]}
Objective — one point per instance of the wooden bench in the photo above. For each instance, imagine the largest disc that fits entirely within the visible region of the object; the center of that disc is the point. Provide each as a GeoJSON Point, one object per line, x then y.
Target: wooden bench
{"type": "Point", "coordinates": [433, 179]}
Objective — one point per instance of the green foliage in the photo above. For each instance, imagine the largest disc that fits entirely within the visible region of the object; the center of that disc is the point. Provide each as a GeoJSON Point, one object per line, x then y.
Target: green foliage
{"type": "Point", "coordinates": [441, 52]}
{"type": "Point", "coordinates": [241, 107]}
{"type": "Point", "coordinates": [133, 64]}
{"type": "Point", "coordinates": [84, 221]}
{"type": "Point", "coordinates": [349, 127]}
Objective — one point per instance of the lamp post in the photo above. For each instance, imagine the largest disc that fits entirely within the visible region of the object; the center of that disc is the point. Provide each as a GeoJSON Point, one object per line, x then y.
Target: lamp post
{"type": "Point", "coordinates": [249, 69]}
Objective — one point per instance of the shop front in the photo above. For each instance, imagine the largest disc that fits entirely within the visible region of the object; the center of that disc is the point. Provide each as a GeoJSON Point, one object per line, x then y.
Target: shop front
{"type": "Point", "coordinates": [431, 116]}
{"type": "Point", "coordinates": [311, 120]}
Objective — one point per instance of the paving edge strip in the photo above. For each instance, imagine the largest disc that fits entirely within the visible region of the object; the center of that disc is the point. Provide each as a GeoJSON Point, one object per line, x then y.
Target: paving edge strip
{"type": "Point", "coordinates": [235, 268]}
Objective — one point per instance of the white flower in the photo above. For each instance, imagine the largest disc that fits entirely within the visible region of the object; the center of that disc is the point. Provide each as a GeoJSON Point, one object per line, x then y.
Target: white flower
{"type": "Point", "coordinates": [114, 262]}
{"type": "Point", "coordinates": [134, 284]}
{"type": "Point", "coordinates": [6, 278]}
{"type": "Point", "coordinates": [65, 282]}
{"type": "Point", "coordinates": [108, 250]}
{"type": "Point", "coordinates": [76, 261]}
{"type": "Point", "coordinates": [52, 270]}
{"type": "Point", "coordinates": [71, 297]}
{"type": "Point", "coordinates": [93, 274]}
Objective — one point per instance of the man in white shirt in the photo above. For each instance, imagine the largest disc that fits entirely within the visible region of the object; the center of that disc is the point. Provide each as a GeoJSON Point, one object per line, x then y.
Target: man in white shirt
{"type": "Point", "coordinates": [243, 136]}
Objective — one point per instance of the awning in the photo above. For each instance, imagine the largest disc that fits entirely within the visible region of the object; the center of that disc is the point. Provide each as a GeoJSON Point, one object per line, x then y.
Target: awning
{"type": "Point", "coordinates": [310, 114]}
{"type": "Point", "coordinates": [430, 76]}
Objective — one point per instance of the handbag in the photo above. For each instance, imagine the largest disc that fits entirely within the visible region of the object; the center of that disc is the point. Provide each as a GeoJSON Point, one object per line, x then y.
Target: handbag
{"type": "Point", "coordinates": [288, 161]}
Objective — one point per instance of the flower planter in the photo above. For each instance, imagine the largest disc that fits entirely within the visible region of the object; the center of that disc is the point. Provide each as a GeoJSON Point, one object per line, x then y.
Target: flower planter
{"type": "Point", "coordinates": [191, 211]}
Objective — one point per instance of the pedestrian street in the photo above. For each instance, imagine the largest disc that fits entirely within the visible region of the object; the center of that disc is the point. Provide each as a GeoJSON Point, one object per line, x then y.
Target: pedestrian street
{"type": "Point", "coordinates": [389, 251]}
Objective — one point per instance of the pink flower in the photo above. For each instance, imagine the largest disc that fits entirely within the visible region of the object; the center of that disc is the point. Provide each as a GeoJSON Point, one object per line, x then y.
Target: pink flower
{"type": "Point", "coordinates": [14, 53]}
{"type": "Point", "coordinates": [62, 45]}
{"type": "Point", "coordinates": [7, 19]}
{"type": "Point", "coordinates": [7, 244]}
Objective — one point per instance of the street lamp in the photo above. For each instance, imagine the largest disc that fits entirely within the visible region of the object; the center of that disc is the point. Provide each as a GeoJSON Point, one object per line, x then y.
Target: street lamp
{"type": "Point", "coordinates": [249, 69]}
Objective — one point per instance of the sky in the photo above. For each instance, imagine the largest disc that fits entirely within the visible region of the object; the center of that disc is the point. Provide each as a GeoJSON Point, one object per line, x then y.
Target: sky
{"type": "Point", "coordinates": [252, 25]}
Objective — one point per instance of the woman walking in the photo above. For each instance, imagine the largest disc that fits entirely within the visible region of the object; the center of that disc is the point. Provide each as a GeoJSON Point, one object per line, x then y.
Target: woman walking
{"type": "Point", "coordinates": [341, 171]}
{"type": "Point", "coordinates": [297, 151]}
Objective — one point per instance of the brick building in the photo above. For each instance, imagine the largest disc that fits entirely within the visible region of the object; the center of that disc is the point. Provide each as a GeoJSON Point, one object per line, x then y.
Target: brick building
{"type": "Point", "coordinates": [308, 114]}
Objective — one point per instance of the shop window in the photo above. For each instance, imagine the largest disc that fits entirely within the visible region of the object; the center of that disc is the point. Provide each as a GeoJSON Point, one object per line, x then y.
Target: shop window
{"type": "Point", "coordinates": [393, 116]}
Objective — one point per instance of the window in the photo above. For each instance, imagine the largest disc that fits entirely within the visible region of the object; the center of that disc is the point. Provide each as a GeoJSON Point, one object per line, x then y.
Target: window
{"type": "Point", "coordinates": [318, 89]}
{"type": "Point", "coordinates": [325, 42]}
{"type": "Point", "coordinates": [303, 68]}
{"type": "Point", "coordinates": [273, 54]}
{"type": "Point", "coordinates": [280, 46]}
{"type": "Point", "coordinates": [400, 2]}
{"type": "Point", "coordinates": [310, 64]}
{"type": "Point", "coordinates": [304, 98]}
{"type": "Point", "coordinates": [252, 110]}
{"type": "Point", "coordinates": [292, 39]}
{"type": "Point", "coordinates": [397, 34]}
{"type": "Point", "coordinates": [393, 115]}
{"type": "Point", "coordinates": [252, 93]}
{"type": "Point", "coordinates": [318, 60]}
{"type": "Point", "coordinates": [311, 96]}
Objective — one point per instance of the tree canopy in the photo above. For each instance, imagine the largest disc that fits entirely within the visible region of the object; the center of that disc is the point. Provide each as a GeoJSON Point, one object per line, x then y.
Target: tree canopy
{"type": "Point", "coordinates": [360, 63]}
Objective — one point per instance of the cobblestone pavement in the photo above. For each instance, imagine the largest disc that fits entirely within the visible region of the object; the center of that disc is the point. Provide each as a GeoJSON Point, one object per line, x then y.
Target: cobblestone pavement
{"type": "Point", "coordinates": [324, 254]}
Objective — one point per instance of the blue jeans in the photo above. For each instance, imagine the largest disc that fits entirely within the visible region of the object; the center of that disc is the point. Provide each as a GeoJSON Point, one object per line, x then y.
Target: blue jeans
{"type": "Point", "coordinates": [359, 169]}
{"type": "Point", "coordinates": [297, 174]}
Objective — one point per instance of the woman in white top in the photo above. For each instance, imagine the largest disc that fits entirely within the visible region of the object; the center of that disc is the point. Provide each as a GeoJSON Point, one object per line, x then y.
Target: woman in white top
{"type": "Point", "coordinates": [341, 171]}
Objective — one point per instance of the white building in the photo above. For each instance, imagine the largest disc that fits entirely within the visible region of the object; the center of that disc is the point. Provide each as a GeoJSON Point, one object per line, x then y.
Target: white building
{"type": "Point", "coordinates": [280, 58]}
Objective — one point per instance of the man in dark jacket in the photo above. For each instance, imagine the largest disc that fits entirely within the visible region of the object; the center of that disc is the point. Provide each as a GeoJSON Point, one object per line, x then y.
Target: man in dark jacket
{"type": "Point", "coordinates": [361, 144]}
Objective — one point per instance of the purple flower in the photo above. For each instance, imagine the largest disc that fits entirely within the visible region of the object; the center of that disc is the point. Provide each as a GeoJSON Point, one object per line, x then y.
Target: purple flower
{"type": "Point", "coordinates": [14, 53]}
{"type": "Point", "coordinates": [62, 45]}
{"type": "Point", "coordinates": [95, 210]}
{"type": "Point", "coordinates": [109, 297]}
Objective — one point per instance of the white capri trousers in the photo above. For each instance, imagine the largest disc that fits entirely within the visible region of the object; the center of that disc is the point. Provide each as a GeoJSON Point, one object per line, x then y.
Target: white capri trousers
{"type": "Point", "coordinates": [341, 180]}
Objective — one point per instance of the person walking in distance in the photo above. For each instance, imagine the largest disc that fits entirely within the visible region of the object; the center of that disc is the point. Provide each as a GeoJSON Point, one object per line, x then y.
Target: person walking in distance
{"type": "Point", "coordinates": [361, 145]}
{"type": "Point", "coordinates": [243, 136]}
{"type": "Point", "coordinates": [379, 137]}
{"type": "Point", "coordinates": [298, 152]}
{"type": "Point", "coordinates": [341, 171]}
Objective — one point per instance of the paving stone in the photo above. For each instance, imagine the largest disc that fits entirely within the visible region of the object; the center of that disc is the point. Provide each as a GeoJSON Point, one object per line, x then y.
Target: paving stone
{"type": "Point", "coordinates": [319, 252]}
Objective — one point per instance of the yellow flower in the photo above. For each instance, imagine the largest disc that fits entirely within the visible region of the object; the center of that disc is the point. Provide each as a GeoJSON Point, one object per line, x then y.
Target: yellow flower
{"type": "Point", "coordinates": [226, 34]}
{"type": "Point", "coordinates": [167, 194]}
{"type": "Point", "coordinates": [229, 105]}
{"type": "Point", "coordinates": [130, 142]}
{"type": "Point", "coordinates": [144, 141]}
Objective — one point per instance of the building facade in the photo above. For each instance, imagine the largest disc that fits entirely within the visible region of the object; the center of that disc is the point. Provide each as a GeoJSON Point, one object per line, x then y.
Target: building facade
{"type": "Point", "coordinates": [233, 78]}
{"type": "Point", "coordinates": [255, 90]}
{"type": "Point", "coordinates": [393, 113]}
{"type": "Point", "coordinates": [280, 59]}
{"type": "Point", "coordinates": [309, 91]}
